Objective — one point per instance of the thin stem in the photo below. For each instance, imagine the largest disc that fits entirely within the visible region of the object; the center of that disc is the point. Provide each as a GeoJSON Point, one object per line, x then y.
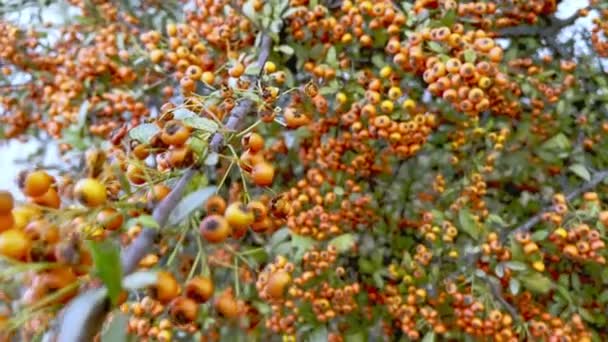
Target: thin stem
{"type": "Point", "coordinates": [241, 172]}
{"type": "Point", "coordinates": [249, 129]}
{"type": "Point", "coordinates": [237, 285]}
{"type": "Point", "coordinates": [221, 184]}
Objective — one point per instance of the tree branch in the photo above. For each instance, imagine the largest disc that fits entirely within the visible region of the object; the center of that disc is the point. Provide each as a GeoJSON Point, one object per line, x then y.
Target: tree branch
{"type": "Point", "coordinates": [534, 220]}
{"type": "Point", "coordinates": [83, 317]}
{"type": "Point", "coordinates": [238, 113]}
{"type": "Point", "coordinates": [471, 259]}
{"type": "Point", "coordinates": [554, 26]}
{"type": "Point", "coordinates": [144, 241]}
{"type": "Point", "coordinates": [496, 289]}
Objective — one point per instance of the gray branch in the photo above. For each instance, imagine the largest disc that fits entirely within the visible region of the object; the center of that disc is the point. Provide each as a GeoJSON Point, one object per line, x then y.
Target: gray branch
{"type": "Point", "coordinates": [534, 220]}
{"type": "Point", "coordinates": [554, 26]}
{"type": "Point", "coordinates": [82, 319]}
{"type": "Point", "coordinates": [238, 113]}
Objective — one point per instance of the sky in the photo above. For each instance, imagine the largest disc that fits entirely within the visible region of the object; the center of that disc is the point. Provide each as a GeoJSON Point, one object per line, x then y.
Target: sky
{"type": "Point", "coordinates": [14, 150]}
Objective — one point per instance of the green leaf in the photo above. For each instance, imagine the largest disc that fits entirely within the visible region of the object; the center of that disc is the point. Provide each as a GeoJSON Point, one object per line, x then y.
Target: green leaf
{"type": "Point", "coordinates": [286, 49]}
{"type": "Point", "coordinates": [449, 18]}
{"type": "Point", "coordinates": [202, 124]}
{"type": "Point", "coordinates": [122, 178]}
{"type": "Point", "coordinates": [343, 242]}
{"type": "Point", "coordinates": [497, 220]}
{"type": "Point", "coordinates": [316, 52]}
{"type": "Point", "coordinates": [197, 145]}
{"type": "Point", "coordinates": [212, 159]}
{"type": "Point", "coordinates": [468, 224]}
{"type": "Point", "coordinates": [293, 10]}
{"type": "Point", "coordinates": [514, 286]}
{"type": "Point", "coordinates": [603, 298]}
{"type": "Point", "coordinates": [516, 265]}
{"type": "Point", "coordinates": [74, 137]}
{"type": "Point", "coordinates": [106, 258]}
{"type": "Point", "coordinates": [604, 276]}
{"type": "Point", "coordinates": [283, 248]}
{"type": "Point", "coordinates": [536, 282]}
{"type": "Point", "coordinates": [586, 315]}
{"type": "Point", "coordinates": [82, 114]}
{"type": "Point", "coordinates": [193, 120]}
{"type": "Point", "coordinates": [576, 281]}
{"type": "Point", "coordinates": [145, 221]}
{"type": "Point", "coordinates": [81, 314]}
{"type": "Point", "coordinates": [429, 337]}
{"type": "Point", "coordinates": [561, 107]}
{"type": "Point", "coordinates": [499, 270]}
{"type": "Point", "coordinates": [366, 266]}
{"type": "Point", "coordinates": [253, 70]}
{"type": "Point", "coordinates": [182, 113]}
{"type": "Point", "coordinates": [275, 27]}
{"type": "Point", "coordinates": [540, 235]}
{"type": "Point", "coordinates": [249, 11]}
{"type": "Point", "coordinates": [558, 142]}
{"type": "Point", "coordinates": [319, 334]}
{"type": "Point", "coordinates": [564, 293]}
{"type": "Point", "coordinates": [144, 132]}
{"type": "Point", "coordinates": [302, 244]}
{"type": "Point", "coordinates": [581, 171]}
{"type": "Point", "coordinates": [436, 47]}
{"type": "Point", "coordinates": [279, 236]}
{"type": "Point", "coordinates": [378, 60]}
{"type": "Point", "coordinates": [190, 203]}
{"type": "Point", "coordinates": [357, 336]}
{"type": "Point", "coordinates": [140, 280]}
{"type": "Point", "coordinates": [332, 58]}
{"type": "Point", "coordinates": [470, 56]}
{"type": "Point", "coordinates": [378, 280]}
{"type": "Point", "coordinates": [116, 330]}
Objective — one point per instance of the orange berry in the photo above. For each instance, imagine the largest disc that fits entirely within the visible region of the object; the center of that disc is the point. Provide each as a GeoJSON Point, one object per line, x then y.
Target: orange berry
{"type": "Point", "coordinates": [259, 210]}
{"type": "Point", "coordinates": [157, 193]}
{"type": "Point", "coordinates": [48, 199]}
{"type": "Point", "coordinates": [175, 133]}
{"type": "Point", "coordinates": [215, 228]}
{"type": "Point", "coordinates": [227, 306]}
{"type": "Point", "coordinates": [200, 289]}
{"type": "Point", "coordinates": [35, 183]}
{"type": "Point", "coordinates": [110, 219]}
{"type": "Point", "coordinates": [254, 142]}
{"type": "Point", "coordinates": [135, 174]}
{"type": "Point", "coordinates": [277, 284]}
{"type": "Point", "coordinates": [6, 202]}
{"type": "Point", "coordinates": [262, 174]}
{"type": "Point", "coordinates": [183, 310]}
{"type": "Point", "coordinates": [90, 192]}
{"type": "Point", "coordinates": [7, 221]}
{"type": "Point", "coordinates": [237, 70]}
{"type": "Point", "coordinates": [166, 287]}
{"type": "Point", "coordinates": [14, 244]}
{"type": "Point", "coordinates": [215, 205]}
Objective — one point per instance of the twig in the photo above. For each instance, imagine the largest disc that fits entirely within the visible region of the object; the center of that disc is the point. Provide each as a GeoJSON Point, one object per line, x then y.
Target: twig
{"type": "Point", "coordinates": [534, 220]}
{"type": "Point", "coordinates": [471, 259]}
{"type": "Point", "coordinates": [496, 289]}
{"type": "Point", "coordinates": [144, 241]}
{"type": "Point", "coordinates": [83, 317]}
{"type": "Point", "coordinates": [554, 26]}
{"type": "Point", "coordinates": [88, 311]}
{"type": "Point", "coordinates": [242, 108]}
